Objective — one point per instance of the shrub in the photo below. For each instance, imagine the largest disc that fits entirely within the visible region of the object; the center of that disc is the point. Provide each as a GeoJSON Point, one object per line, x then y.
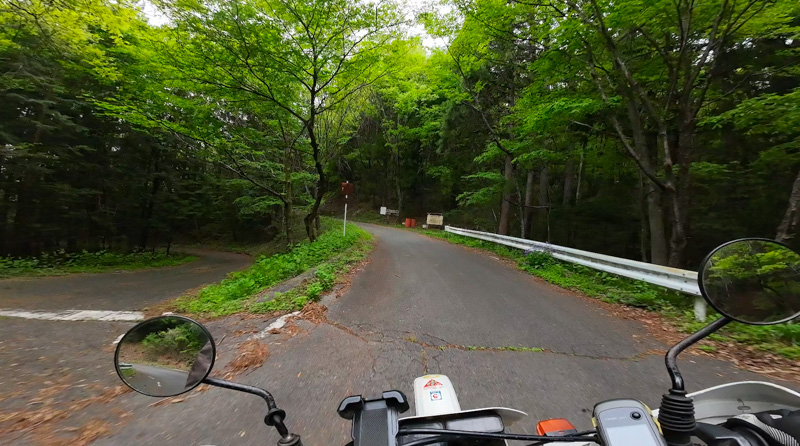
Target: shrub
{"type": "Point", "coordinates": [229, 295]}
{"type": "Point", "coordinates": [62, 262]}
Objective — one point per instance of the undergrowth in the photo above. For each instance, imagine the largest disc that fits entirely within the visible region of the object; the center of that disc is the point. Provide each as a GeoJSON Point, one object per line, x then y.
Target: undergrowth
{"type": "Point", "coordinates": [782, 339]}
{"type": "Point", "coordinates": [325, 278]}
{"type": "Point", "coordinates": [233, 293]}
{"type": "Point", "coordinates": [61, 262]}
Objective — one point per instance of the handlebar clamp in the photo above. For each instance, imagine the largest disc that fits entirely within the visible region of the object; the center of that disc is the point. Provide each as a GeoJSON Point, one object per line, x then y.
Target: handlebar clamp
{"type": "Point", "coordinates": [375, 421]}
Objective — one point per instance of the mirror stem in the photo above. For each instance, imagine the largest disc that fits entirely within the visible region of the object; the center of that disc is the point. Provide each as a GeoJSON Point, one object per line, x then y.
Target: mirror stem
{"type": "Point", "coordinates": [676, 414]}
{"type": "Point", "coordinates": [672, 354]}
{"type": "Point", "coordinates": [274, 417]}
{"type": "Point", "coordinates": [243, 388]}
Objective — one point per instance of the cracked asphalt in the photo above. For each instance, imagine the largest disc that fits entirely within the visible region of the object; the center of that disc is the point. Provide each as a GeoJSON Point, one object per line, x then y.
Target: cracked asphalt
{"type": "Point", "coordinates": [56, 377]}
{"type": "Point", "coordinates": [419, 306]}
{"type": "Point", "coordinates": [424, 306]}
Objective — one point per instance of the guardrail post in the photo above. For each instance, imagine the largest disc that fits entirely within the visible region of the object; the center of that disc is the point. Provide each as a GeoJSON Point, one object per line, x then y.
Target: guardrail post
{"type": "Point", "coordinates": [699, 309]}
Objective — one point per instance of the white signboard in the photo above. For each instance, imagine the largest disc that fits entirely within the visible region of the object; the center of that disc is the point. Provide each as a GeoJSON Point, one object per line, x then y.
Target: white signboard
{"type": "Point", "coordinates": [383, 210]}
{"type": "Point", "coordinates": [435, 220]}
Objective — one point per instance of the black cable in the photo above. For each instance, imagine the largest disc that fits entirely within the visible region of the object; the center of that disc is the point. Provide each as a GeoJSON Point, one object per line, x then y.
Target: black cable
{"type": "Point", "coordinates": [429, 440]}
{"type": "Point", "coordinates": [585, 433]}
{"type": "Point", "coordinates": [593, 439]}
{"type": "Point", "coordinates": [497, 436]}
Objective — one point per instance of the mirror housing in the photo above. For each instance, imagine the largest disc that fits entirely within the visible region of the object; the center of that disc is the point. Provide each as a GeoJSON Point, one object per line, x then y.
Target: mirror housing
{"type": "Point", "coordinates": [165, 356]}
{"type": "Point", "coordinates": [754, 281]}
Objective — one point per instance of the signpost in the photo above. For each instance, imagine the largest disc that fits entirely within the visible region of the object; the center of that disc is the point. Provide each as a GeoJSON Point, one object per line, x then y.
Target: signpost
{"type": "Point", "coordinates": [347, 189]}
{"type": "Point", "coordinates": [435, 219]}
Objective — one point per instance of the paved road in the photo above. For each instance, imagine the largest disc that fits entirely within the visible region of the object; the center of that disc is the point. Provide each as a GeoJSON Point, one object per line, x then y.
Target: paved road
{"type": "Point", "coordinates": [129, 290]}
{"type": "Point", "coordinates": [157, 380]}
{"type": "Point", "coordinates": [57, 377]}
{"type": "Point", "coordinates": [402, 317]}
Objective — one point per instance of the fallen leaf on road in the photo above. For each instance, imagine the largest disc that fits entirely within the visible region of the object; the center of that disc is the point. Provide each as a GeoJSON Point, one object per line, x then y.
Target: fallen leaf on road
{"type": "Point", "coordinates": [315, 312]}
{"type": "Point", "coordinates": [91, 432]}
{"type": "Point", "coordinates": [252, 354]}
{"type": "Point", "coordinates": [166, 401]}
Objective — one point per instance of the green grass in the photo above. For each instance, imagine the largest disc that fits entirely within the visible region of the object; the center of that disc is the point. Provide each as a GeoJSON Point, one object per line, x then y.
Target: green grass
{"type": "Point", "coordinates": [783, 339]}
{"type": "Point", "coordinates": [508, 348]}
{"type": "Point", "coordinates": [324, 279]}
{"type": "Point", "coordinates": [331, 252]}
{"type": "Point", "coordinates": [61, 263]}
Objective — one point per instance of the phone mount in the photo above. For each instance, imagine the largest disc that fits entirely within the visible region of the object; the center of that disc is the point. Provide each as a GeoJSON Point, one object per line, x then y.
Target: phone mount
{"type": "Point", "coordinates": [375, 421]}
{"type": "Point", "coordinates": [676, 414]}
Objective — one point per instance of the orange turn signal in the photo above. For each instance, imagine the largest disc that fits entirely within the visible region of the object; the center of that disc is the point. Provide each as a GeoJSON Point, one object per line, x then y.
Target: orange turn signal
{"type": "Point", "coordinates": [557, 427]}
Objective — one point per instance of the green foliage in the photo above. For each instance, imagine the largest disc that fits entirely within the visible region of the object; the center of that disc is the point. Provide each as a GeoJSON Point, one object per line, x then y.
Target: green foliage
{"type": "Point", "coordinates": [61, 262]}
{"type": "Point", "coordinates": [235, 118]}
{"type": "Point", "coordinates": [230, 295]}
{"type": "Point", "coordinates": [325, 277]}
{"type": "Point", "coordinates": [181, 338]}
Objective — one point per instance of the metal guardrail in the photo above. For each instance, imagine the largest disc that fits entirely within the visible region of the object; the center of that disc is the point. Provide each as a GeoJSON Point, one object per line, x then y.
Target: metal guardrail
{"type": "Point", "coordinates": [672, 278]}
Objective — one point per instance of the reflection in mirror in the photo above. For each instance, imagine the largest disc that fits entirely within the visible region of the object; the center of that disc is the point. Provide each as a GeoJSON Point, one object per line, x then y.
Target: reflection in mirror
{"type": "Point", "coordinates": [165, 356]}
{"type": "Point", "coordinates": [753, 281]}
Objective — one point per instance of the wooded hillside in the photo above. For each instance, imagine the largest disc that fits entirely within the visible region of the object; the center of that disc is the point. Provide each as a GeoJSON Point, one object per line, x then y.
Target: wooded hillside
{"type": "Point", "coordinates": [647, 129]}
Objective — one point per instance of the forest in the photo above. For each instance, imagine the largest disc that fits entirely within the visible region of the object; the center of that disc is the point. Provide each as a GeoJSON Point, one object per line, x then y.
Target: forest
{"type": "Point", "coordinates": [652, 130]}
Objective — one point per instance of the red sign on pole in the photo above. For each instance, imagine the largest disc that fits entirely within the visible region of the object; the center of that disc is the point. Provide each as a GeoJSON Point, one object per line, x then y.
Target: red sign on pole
{"type": "Point", "coordinates": [348, 188]}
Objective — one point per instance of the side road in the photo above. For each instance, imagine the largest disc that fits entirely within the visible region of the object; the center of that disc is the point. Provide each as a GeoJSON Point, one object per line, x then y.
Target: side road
{"type": "Point", "coordinates": [128, 290]}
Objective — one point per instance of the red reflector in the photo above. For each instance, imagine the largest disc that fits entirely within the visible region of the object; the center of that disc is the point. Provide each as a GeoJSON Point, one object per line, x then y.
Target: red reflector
{"type": "Point", "coordinates": [557, 427]}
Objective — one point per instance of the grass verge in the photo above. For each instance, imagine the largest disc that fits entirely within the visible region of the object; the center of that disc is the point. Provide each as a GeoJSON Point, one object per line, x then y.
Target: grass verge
{"type": "Point", "coordinates": [60, 263]}
{"type": "Point", "coordinates": [780, 339]}
{"type": "Point", "coordinates": [331, 254]}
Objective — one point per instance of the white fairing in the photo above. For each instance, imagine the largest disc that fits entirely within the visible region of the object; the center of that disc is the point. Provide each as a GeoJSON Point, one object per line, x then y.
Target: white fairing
{"type": "Point", "coordinates": [716, 404]}
{"type": "Point", "coordinates": [435, 395]}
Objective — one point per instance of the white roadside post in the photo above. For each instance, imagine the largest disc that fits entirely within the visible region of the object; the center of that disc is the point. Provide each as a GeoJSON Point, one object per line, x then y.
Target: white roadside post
{"type": "Point", "coordinates": [347, 190]}
{"type": "Point", "coordinates": [700, 308]}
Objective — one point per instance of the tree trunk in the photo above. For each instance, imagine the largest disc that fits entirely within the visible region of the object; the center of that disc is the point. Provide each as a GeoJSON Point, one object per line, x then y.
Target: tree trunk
{"type": "Point", "coordinates": [528, 212]}
{"type": "Point", "coordinates": [544, 202]}
{"type": "Point", "coordinates": [287, 226]}
{"type": "Point", "coordinates": [659, 253]}
{"type": "Point", "coordinates": [655, 218]}
{"type": "Point", "coordinates": [310, 220]}
{"type": "Point", "coordinates": [788, 225]}
{"type": "Point", "coordinates": [569, 175]}
{"type": "Point", "coordinates": [22, 234]}
{"type": "Point", "coordinates": [287, 203]}
{"type": "Point", "coordinates": [580, 174]}
{"type": "Point", "coordinates": [505, 206]}
{"type": "Point", "coordinates": [151, 200]}
{"type": "Point", "coordinates": [679, 199]}
{"type": "Point", "coordinates": [644, 233]}
{"type": "Point", "coordinates": [397, 189]}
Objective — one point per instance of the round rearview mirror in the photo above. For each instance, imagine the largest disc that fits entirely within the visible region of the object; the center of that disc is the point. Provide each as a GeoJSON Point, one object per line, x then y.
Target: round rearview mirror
{"type": "Point", "coordinates": [754, 281]}
{"type": "Point", "coordinates": [165, 356]}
